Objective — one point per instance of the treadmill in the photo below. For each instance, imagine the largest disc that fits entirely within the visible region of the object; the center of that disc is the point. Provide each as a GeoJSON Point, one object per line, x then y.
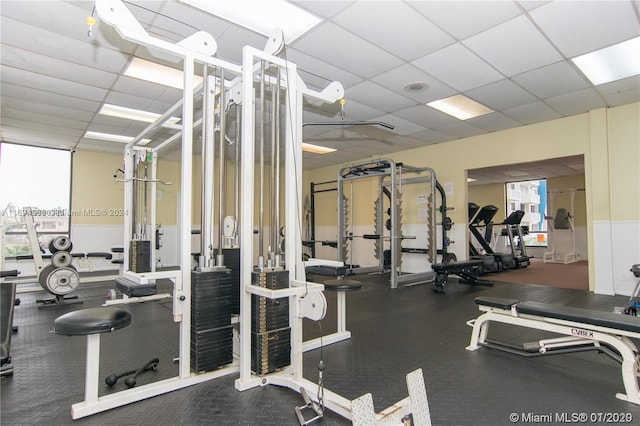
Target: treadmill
{"type": "Point", "coordinates": [481, 218]}
{"type": "Point", "coordinates": [511, 230]}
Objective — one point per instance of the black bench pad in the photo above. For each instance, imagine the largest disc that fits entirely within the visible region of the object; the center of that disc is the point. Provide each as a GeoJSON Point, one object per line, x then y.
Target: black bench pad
{"type": "Point", "coordinates": [103, 255]}
{"type": "Point", "coordinates": [455, 266]}
{"type": "Point", "coordinates": [327, 270]}
{"type": "Point", "coordinates": [91, 321]}
{"type": "Point", "coordinates": [342, 285]}
{"type": "Point", "coordinates": [496, 302]}
{"type": "Point", "coordinates": [133, 289]}
{"type": "Point", "coordinates": [586, 316]}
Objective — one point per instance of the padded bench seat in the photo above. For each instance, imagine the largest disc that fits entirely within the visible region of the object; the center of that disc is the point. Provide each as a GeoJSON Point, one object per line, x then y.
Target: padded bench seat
{"type": "Point", "coordinates": [103, 255]}
{"type": "Point", "coordinates": [581, 315]}
{"type": "Point", "coordinates": [496, 302]}
{"type": "Point", "coordinates": [326, 270]}
{"type": "Point", "coordinates": [342, 285]}
{"type": "Point", "coordinates": [91, 321]}
{"type": "Point", "coordinates": [133, 289]}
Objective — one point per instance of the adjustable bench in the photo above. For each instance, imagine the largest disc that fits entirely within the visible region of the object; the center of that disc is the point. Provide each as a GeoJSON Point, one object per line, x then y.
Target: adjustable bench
{"type": "Point", "coordinates": [586, 330]}
{"type": "Point", "coordinates": [467, 270]}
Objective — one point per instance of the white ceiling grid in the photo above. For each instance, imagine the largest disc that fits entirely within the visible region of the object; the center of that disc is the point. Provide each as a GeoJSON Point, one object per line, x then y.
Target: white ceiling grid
{"type": "Point", "coordinates": [513, 56]}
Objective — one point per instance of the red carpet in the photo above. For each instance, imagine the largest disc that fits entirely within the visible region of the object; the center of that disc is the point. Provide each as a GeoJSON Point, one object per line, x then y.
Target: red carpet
{"type": "Point", "coordinates": [574, 275]}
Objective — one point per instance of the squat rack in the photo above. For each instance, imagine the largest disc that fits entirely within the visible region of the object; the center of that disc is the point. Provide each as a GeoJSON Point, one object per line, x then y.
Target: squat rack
{"type": "Point", "coordinates": [391, 178]}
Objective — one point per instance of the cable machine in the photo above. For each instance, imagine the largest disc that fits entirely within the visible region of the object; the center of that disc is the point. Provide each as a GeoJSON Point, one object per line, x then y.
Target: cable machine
{"type": "Point", "coordinates": [270, 93]}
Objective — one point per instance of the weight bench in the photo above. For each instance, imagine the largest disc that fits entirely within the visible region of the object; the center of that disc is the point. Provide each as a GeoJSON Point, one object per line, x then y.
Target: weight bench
{"type": "Point", "coordinates": [585, 330]}
{"type": "Point", "coordinates": [467, 270]}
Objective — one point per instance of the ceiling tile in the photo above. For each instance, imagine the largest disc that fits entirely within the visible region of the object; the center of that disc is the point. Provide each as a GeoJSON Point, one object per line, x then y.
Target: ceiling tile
{"type": "Point", "coordinates": [513, 47]}
{"type": "Point", "coordinates": [31, 122]}
{"type": "Point", "coordinates": [335, 45]}
{"type": "Point", "coordinates": [576, 102]}
{"type": "Point", "coordinates": [593, 24]}
{"type": "Point", "coordinates": [622, 98]}
{"type": "Point", "coordinates": [418, 37]}
{"type": "Point", "coordinates": [377, 97]}
{"type": "Point", "coordinates": [318, 73]}
{"type": "Point", "coordinates": [51, 84]}
{"type": "Point", "coordinates": [323, 8]}
{"type": "Point", "coordinates": [10, 103]}
{"type": "Point", "coordinates": [465, 18]}
{"type": "Point", "coordinates": [461, 130]}
{"type": "Point", "coordinates": [500, 95]}
{"type": "Point", "coordinates": [69, 22]}
{"type": "Point", "coordinates": [402, 126]}
{"type": "Point", "coordinates": [45, 65]}
{"type": "Point", "coordinates": [494, 122]}
{"type": "Point", "coordinates": [37, 96]}
{"type": "Point", "coordinates": [534, 112]}
{"type": "Point", "coordinates": [552, 80]}
{"type": "Point", "coordinates": [78, 51]}
{"type": "Point", "coordinates": [17, 131]}
{"type": "Point", "coordinates": [425, 116]}
{"type": "Point", "coordinates": [458, 67]}
{"type": "Point", "coordinates": [432, 136]}
{"type": "Point", "coordinates": [397, 78]}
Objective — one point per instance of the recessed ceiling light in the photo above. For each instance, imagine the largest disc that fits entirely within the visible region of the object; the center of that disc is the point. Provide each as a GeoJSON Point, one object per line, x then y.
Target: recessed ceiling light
{"type": "Point", "coordinates": [471, 180]}
{"type": "Point", "coordinates": [261, 16]}
{"type": "Point", "coordinates": [112, 138]}
{"type": "Point", "coordinates": [460, 106]}
{"type": "Point", "coordinates": [159, 74]}
{"type": "Point", "coordinates": [611, 63]}
{"type": "Point", "coordinates": [316, 149]}
{"type": "Point", "coordinates": [416, 87]}
{"type": "Point", "coordinates": [134, 114]}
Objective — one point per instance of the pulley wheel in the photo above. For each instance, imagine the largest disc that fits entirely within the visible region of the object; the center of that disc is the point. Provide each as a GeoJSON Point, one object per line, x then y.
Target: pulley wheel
{"type": "Point", "coordinates": [60, 243]}
{"type": "Point", "coordinates": [59, 281]}
{"type": "Point", "coordinates": [61, 259]}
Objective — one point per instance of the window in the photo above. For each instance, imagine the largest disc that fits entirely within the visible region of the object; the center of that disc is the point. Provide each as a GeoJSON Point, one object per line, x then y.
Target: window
{"type": "Point", "coordinates": [530, 197]}
{"type": "Point", "coordinates": [35, 181]}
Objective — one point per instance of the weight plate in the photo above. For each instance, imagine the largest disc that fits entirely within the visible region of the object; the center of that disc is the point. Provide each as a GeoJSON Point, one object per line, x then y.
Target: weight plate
{"type": "Point", "coordinates": [60, 243]}
{"type": "Point", "coordinates": [61, 259]}
{"type": "Point", "coordinates": [61, 281]}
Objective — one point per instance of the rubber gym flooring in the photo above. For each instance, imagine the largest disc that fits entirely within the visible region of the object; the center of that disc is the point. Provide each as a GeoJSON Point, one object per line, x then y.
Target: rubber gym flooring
{"type": "Point", "coordinates": [393, 333]}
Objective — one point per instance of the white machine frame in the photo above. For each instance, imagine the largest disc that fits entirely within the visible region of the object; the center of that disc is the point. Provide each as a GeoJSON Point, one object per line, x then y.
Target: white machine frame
{"type": "Point", "coordinates": [578, 334]}
{"type": "Point", "coordinates": [199, 48]}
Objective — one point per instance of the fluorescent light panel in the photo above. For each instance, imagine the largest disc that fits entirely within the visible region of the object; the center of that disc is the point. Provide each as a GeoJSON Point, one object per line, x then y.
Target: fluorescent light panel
{"type": "Point", "coordinates": [611, 63]}
{"type": "Point", "coordinates": [460, 107]}
{"type": "Point", "coordinates": [133, 114]}
{"type": "Point", "coordinates": [112, 138]}
{"type": "Point", "coordinates": [159, 74]}
{"type": "Point", "coordinates": [316, 149]}
{"type": "Point", "coordinates": [261, 16]}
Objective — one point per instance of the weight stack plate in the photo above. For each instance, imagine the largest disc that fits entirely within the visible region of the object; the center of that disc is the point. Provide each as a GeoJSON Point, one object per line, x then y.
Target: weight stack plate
{"type": "Point", "coordinates": [210, 299]}
{"type": "Point", "coordinates": [273, 280]}
{"type": "Point", "coordinates": [271, 314]}
{"type": "Point", "coordinates": [271, 336]}
{"type": "Point", "coordinates": [232, 261]}
{"type": "Point", "coordinates": [211, 349]}
{"type": "Point", "coordinates": [140, 256]}
{"type": "Point", "coordinates": [270, 351]}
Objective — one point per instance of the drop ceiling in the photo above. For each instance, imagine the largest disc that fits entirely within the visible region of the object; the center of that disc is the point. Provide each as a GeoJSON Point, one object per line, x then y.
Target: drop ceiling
{"type": "Point", "coordinates": [512, 56]}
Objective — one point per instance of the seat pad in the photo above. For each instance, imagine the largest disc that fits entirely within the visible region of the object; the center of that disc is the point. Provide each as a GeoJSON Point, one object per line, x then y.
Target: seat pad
{"type": "Point", "coordinates": [91, 321]}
